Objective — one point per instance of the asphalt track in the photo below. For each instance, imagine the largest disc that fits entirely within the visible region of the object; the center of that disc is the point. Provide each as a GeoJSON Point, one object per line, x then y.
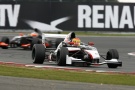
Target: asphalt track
{"type": "Point", "coordinates": [124, 45]}
{"type": "Point", "coordinates": [15, 83]}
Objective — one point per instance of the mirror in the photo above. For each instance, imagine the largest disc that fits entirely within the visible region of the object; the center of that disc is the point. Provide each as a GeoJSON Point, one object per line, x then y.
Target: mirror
{"type": "Point", "coordinates": [90, 43]}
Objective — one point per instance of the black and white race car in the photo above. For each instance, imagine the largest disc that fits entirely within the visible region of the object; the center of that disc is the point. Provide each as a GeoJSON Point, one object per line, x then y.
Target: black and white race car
{"type": "Point", "coordinates": [27, 41]}
{"type": "Point", "coordinates": [72, 51]}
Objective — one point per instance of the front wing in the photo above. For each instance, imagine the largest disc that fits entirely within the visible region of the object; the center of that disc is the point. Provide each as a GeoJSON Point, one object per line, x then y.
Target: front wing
{"type": "Point", "coordinates": [71, 60]}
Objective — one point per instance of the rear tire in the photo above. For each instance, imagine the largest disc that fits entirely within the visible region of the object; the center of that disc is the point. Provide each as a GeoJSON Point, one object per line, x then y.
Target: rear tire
{"type": "Point", "coordinates": [34, 41]}
{"type": "Point", "coordinates": [112, 54]}
{"type": "Point", "coordinates": [58, 41]}
{"type": "Point", "coordinates": [5, 40]}
{"type": "Point", "coordinates": [24, 40]}
{"type": "Point", "coordinates": [38, 53]}
{"type": "Point", "coordinates": [61, 56]}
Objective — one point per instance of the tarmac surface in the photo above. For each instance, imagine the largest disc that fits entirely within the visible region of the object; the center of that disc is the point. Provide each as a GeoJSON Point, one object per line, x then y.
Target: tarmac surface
{"type": "Point", "coordinates": [15, 83]}
{"type": "Point", "coordinates": [124, 45]}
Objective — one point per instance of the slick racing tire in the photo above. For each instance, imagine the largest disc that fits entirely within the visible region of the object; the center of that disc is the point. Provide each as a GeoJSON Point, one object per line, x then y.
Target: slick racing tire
{"type": "Point", "coordinates": [61, 56]}
{"type": "Point", "coordinates": [38, 53]}
{"type": "Point", "coordinates": [112, 54]}
{"type": "Point", "coordinates": [5, 40]}
{"type": "Point", "coordinates": [34, 41]}
{"type": "Point", "coordinates": [24, 40]}
{"type": "Point", "coordinates": [58, 41]}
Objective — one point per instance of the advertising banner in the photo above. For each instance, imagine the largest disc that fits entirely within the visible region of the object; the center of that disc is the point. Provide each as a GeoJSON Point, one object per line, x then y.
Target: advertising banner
{"type": "Point", "coordinates": [68, 16]}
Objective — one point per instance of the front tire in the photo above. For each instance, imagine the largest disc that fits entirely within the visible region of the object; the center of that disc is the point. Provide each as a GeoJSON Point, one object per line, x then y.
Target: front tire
{"type": "Point", "coordinates": [38, 53]}
{"type": "Point", "coordinates": [61, 56]}
{"type": "Point", "coordinates": [112, 54]}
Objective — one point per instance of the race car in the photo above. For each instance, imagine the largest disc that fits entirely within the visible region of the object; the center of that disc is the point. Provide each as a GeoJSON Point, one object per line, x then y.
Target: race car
{"type": "Point", "coordinates": [27, 41]}
{"type": "Point", "coordinates": [71, 51]}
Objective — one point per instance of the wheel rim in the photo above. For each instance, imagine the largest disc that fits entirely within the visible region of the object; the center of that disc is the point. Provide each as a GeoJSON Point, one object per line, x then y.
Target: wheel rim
{"type": "Point", "coordinates": [58, 57]}
{"type": "Point", "coordinates": [33, 54]}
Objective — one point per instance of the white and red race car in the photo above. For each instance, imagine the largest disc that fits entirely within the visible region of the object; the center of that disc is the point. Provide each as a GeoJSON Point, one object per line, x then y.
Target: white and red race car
{"type": "Point", "coordinates": [69, 53]}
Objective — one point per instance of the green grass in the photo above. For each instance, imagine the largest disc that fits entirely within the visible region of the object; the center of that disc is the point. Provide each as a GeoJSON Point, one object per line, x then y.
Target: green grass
{"type": "Point", "coordinates": [76, 76]}
{"type": "Point", "coordinates": [101, 33]}
{"type": "Point", "coordinates": [88, 33]}
{"type": "Point", "coordinates": [96, 33]}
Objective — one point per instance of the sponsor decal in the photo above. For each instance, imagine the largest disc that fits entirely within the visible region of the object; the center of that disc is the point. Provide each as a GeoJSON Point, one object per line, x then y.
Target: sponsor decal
{"type": "Point", "coordinates": [46, 27]}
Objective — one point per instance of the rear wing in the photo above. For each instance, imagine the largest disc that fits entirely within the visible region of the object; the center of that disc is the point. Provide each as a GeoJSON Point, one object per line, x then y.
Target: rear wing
{"type": "Point", "coordinates": [46, 35]}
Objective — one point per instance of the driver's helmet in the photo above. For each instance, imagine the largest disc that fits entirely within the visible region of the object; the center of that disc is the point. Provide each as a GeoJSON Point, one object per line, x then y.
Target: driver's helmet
{"type": "Point", "coordinates": [34, 34]}
{"type": "Point", "coordinates": [76, 41]}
